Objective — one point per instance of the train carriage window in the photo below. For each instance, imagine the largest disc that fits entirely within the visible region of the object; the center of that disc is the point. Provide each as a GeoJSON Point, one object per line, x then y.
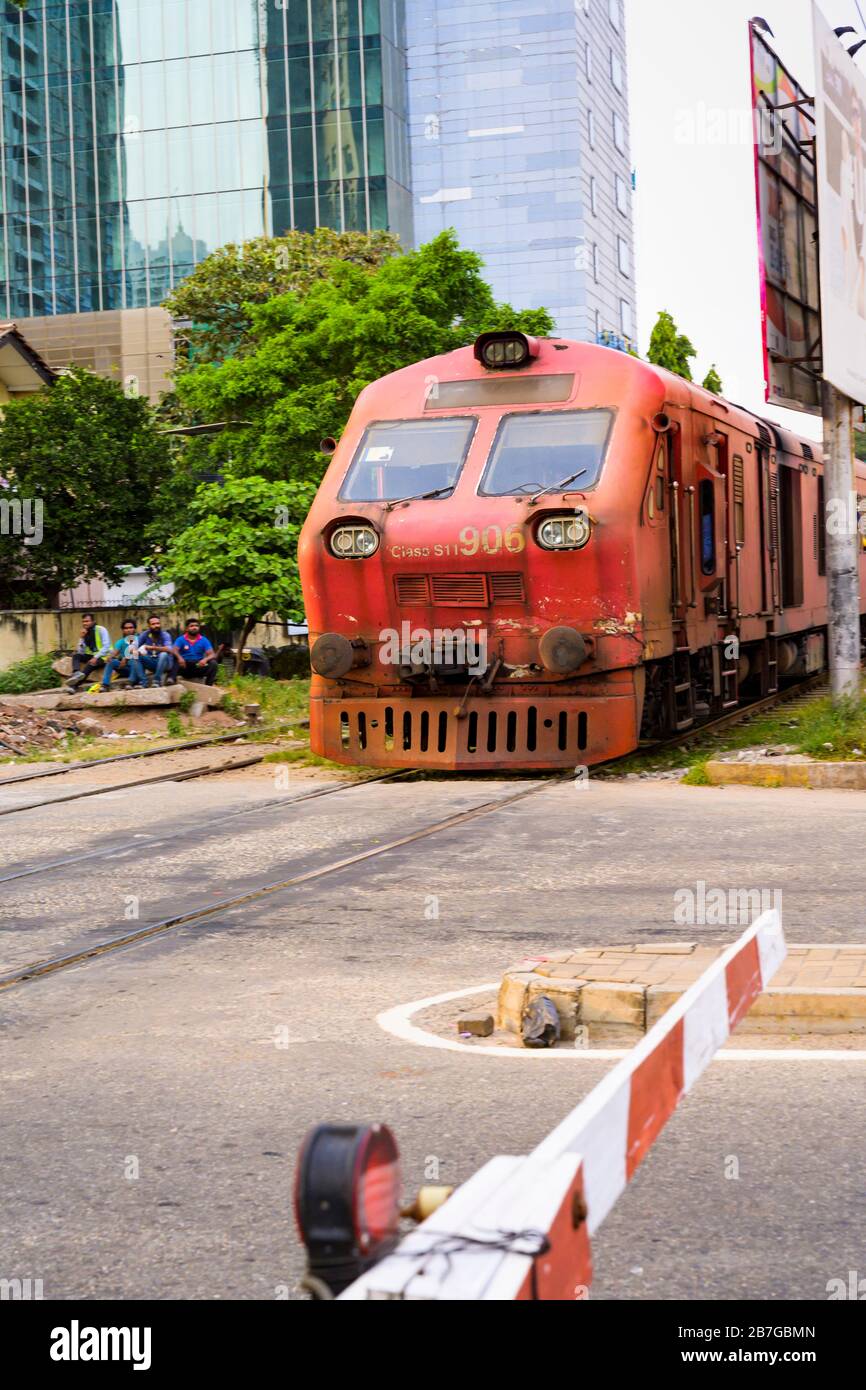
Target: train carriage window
{"type": "Point", "coordinates": [408, 458]}
{"type": "Point", "coordinates": [791, 521]}
{"type": "Point", "coordinates": [707, 498]}
{"type": "Point", "coordinates": [534, 451]}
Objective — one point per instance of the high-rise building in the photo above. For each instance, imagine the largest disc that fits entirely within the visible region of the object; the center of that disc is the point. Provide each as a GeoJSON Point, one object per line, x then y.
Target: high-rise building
{"type": "Point", "coordinates": [520, 140]}
{"type": "Point", "coordinates": [137, 136]}
{"type": "Point", "coordinates": [140, 135]}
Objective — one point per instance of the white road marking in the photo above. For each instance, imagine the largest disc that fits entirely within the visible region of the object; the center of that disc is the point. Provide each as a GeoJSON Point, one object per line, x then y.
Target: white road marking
{"type": "Point", "coordinates": [398, 1022]}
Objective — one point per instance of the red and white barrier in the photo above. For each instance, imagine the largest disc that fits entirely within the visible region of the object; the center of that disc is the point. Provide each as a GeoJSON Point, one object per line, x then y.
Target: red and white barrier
{"type": "Point", "coordinates": [520, 1228]}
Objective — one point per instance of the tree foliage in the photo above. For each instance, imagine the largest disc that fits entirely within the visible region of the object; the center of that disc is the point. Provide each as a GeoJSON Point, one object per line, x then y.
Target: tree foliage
{"type": "Point", "coordinates": [236, 560]}
{"type": "Point", "coordinates": [92, 458]}
{"type": "Point", "coordinates": [306, 358]}
{"type": "Point", "coordinates": [669, 348]}
{"type": "Point", "coordinates": [221, 294]}
{"type": "Point", "coordinates": [713, 382]}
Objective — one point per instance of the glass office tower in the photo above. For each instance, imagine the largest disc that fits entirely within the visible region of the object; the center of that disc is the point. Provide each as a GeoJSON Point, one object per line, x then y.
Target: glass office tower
{"type": "Point", "coordinates": [519, 129]}
{"type": "Point", "coordinates": [140, 135]}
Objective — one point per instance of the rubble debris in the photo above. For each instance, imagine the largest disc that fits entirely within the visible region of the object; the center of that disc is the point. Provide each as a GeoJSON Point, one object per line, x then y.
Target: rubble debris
{"type": "Point", "coordinates": [24, 730]}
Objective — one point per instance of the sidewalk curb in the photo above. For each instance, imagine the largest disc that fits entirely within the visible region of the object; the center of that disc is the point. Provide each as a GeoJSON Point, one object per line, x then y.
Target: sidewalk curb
{"type": "Point", "coordinates": [777, 772]}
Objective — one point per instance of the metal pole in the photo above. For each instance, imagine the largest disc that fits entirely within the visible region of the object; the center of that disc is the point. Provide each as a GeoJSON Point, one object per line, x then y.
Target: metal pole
{"type": "Point", "coordinates": [843, 546]}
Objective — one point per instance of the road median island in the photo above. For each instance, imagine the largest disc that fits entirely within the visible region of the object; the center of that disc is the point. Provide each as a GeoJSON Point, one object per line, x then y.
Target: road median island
{"type": "Point", "coordinates": [613, 995]}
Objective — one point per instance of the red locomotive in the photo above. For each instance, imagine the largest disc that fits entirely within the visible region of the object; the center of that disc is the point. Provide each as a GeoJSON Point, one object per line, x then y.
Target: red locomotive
{"type": "Point", "coordinates": [532, 554]}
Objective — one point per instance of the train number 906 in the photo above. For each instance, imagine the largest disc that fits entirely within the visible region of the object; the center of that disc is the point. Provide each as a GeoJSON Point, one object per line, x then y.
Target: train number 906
{"type": "Point", "coordinates": [492, 540]}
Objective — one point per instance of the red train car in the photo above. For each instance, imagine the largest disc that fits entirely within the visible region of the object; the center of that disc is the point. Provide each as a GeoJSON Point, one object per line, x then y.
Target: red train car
{"type": "Point", "coordinates": [531, 554]}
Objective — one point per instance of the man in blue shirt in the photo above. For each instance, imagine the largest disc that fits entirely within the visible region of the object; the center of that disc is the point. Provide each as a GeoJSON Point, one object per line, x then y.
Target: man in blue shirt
{"type": "Point", "coordinates": [195, 655]}
{"type": "Point", "coordinates": [155, 651]}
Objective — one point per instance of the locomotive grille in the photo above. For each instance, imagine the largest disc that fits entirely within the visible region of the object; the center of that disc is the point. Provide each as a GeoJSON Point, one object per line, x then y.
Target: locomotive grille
{"type": "Point", "coordinates": [522, 731]}
{"type": "Point", "coordinates": [459, 590]}
{"type": "Point", "coordinates": [774, 511]}
{"type": "Point", "coordinates": [507, 588]}
{"type": "Point", "coordinates": [412, 588]}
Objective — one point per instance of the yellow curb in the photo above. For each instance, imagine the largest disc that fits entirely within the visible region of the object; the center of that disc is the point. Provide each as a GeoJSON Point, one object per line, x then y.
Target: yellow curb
{"type": "Point", "coordinates": [778, 773]}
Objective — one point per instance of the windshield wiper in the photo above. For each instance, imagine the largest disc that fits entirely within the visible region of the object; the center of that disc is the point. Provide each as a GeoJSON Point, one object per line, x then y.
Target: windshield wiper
{"type": "Point", "coordinates": [557, 487]}
{"type": "Point", "coordinates": [419, 497]}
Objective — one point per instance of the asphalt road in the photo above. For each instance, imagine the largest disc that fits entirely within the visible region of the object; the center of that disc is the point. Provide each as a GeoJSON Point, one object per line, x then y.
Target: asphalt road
{"type": "Point", "coordinates": [154, 1098]}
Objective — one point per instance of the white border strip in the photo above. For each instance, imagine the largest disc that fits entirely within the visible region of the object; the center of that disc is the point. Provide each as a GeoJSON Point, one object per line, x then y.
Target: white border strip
{"type": "Point", "coordinates": [398, 1022]}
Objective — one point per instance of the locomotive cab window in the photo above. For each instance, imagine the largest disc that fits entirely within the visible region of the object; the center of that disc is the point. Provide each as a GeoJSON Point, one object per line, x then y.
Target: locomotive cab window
{"type": "Point", "coordinates": [707, 503]}
{"type": "Point", "coordinates": [559, 449]}
{"type": "Point", "coordinates": [408, 458]}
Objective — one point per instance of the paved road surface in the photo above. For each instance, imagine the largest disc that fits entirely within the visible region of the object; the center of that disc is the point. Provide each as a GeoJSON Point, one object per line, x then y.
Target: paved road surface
{"type": "Point", "coordinates": [198, 1060]}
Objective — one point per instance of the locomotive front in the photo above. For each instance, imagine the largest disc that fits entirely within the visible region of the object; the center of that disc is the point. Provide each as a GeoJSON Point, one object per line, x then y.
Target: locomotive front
{"type": "Point", "coordinates": [469, 565]}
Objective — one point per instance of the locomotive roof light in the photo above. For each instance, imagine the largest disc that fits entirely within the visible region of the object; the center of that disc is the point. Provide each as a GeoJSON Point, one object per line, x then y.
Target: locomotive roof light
{"type": "Point", "coordinates": [569, 532]}
{"type": "Point", "coordinates": [347, 1200]}
{"type": "Point", "coordinates": [500, 351]}
{"type": "Point", "coordinates": [353, 542]}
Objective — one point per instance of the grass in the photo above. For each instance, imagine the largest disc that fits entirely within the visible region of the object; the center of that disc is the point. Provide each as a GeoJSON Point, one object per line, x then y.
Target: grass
{"type": "Point", "coordinates": [278, 699]}
{"type": "Point", "coordinates": [819, 729]}
{"type": "Point", "coordinates": [33, 673]}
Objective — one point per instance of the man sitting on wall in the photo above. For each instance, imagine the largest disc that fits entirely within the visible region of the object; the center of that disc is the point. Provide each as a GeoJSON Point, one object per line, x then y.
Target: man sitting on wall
{"type": "Point", "coordinates": [196, 657]}
{"type": "Point", "coordinates": [93, 647]}
{"type": "Point", "coordinates": [155, 651]}
{"type": "Point", "coordinates": [125, 661]}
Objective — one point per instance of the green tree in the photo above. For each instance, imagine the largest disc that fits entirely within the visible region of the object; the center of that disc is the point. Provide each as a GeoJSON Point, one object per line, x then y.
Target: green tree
{"type": "Point", "coordinates": [713, 382]}
{"type": "Point", "coordinates": [237, 559]}
{"type": "Point", "coordinates": [81, 463]}
{"type": "Point", "coordinates": [306, 359]}
{"type": "Point", "coordinates": [219, 297]}
{"type": "Point", "coordinates": [669, 348]}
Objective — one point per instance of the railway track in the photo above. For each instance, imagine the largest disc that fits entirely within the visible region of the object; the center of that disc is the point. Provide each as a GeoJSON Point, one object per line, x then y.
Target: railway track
{"type": "Point", "coordinates": [50, 966]}
{"type": "Point", "coordinates": [235, 737]}
{"type": "Point", "coordinates": [153, 841]}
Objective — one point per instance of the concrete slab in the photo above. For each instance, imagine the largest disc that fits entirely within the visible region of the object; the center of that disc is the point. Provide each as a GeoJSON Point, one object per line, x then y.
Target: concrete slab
{"type": "Point", "coordinates": [207, 696]}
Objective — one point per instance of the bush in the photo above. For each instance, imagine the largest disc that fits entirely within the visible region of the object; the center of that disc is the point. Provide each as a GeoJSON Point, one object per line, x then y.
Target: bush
{"type": "Point", "coordinates": [33, 673]}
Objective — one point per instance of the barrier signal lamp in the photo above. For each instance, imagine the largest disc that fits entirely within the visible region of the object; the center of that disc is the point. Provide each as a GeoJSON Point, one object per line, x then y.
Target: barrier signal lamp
{"type": "Point", "coordinates": [347, 1202]}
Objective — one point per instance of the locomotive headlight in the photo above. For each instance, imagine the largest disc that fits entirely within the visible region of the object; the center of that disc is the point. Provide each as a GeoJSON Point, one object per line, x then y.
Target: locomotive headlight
{"type": "Point", "coordinates": [354, 542]}
{"type": "Point", "coordinates": [570, 532]}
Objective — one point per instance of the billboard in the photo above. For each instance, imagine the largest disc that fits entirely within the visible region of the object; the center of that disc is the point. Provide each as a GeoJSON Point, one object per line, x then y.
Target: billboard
{"type": "Point", "coordinates": [840, 113]}
{"type": "Point", "coordinates": [785, 178]}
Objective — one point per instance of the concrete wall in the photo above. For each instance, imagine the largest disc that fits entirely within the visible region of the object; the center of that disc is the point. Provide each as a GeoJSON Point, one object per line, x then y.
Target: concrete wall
{"type": "Point", "coordinates": [27, 632]}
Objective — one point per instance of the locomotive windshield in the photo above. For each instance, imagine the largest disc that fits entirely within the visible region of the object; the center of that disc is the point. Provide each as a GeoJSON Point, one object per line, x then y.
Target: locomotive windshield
{"type": "Point", "coordinates": [533, 452]}
{"type": "Point", "coordinates": [408, 458]}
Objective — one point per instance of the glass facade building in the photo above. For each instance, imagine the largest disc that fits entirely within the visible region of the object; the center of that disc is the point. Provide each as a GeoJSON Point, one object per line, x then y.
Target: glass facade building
{"type": "Point", "coordinates": [140, 135]}
{"type": "Point", "coordinates": [519, 126]}
{"type": "Point", "coordinates": [137, 136]}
